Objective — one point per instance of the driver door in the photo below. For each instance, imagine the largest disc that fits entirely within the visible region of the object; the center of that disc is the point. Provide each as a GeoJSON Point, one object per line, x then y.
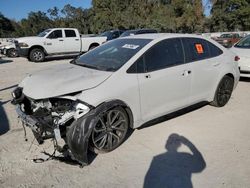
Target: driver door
{"type": "Point", "coordinates": [55, 43]}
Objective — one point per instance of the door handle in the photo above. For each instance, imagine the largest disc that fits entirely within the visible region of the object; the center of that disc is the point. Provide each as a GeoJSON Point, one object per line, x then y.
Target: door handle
{"type": "Point", "coordinates": [77, 39]}
{"type": "Point", "coordinates": [147, 76]}
{"type": "Point", "coordinates": [61, 40]}
{"type": "Point", "coordinates": [186, 72]}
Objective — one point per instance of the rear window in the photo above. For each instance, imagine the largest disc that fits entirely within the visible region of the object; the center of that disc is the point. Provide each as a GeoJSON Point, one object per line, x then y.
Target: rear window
{"type": "Point", "coordinates": [214, 50]}
{"type": "Point", "coordinates": [195, 49]}
{"type": "Point", "coordinates": [70, 33]}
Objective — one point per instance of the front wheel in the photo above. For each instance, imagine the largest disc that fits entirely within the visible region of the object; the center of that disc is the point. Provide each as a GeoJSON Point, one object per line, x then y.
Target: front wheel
{"type": "Point", "coordinates": [110, 130]}
{"type": "Point", "coordinates": [12, 53]}
{"type": "Point", "coordinates": [37, 55]}
{"type": "Point", "coordinates": [223, 92]}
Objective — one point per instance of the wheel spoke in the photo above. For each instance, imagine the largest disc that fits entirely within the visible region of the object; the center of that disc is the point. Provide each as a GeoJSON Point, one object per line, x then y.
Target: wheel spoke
{"type": "Point", "coordinates": [115, 136]}
{"type": "Point", "coordinates": [109, 145]}
{"type": "Point", "coordinates": [118, 123]}
{"type": "Point", "coordinates": [99, 130]}
{"type": "Point", "coordinates": [99, 137]}
{"type": "Point", "coordinates": [114, 118]}
{"type": "Point", "coordinates": [103, 142]}
{"type": "Point", "coordinates": [119, 128]}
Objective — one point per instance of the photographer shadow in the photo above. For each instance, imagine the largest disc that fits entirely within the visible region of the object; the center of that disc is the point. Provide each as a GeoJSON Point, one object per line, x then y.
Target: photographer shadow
{"type": "Point", "coordinates": [173, 168]}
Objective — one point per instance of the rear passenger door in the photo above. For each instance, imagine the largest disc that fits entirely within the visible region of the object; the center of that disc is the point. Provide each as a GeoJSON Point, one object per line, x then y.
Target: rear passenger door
{"type": "Point", "coordinates": [72, 41]}
{"type": "Point", "coordinates": [165, 81]}
{"type": "Point", "coordinates": [205, 69]}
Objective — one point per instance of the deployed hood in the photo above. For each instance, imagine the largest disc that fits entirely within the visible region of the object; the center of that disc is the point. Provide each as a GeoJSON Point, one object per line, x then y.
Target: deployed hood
{"type": "Point", "coordinates": [61, 80]}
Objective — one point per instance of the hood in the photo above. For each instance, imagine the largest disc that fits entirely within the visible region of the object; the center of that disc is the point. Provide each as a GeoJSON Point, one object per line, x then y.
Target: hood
{"type": "Point", "coordinates": [24, 39]}
{"type": "Point", "coordinates": [61, 80]}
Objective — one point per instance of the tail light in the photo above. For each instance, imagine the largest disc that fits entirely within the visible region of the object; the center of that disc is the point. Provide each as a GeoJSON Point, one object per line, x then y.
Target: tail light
{"type": "Point", "coordinates": [236, 58]}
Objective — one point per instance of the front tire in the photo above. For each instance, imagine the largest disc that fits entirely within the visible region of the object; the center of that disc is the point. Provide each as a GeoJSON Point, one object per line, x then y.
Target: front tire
{"type": "Point", "coordinates": [12, 53]}
{"type": "Point", "coordinates": [110, 131]}
{"type": "Point", "coordinates": [223, 92]}
{"type": "Point", "coordinates": [37, 55]}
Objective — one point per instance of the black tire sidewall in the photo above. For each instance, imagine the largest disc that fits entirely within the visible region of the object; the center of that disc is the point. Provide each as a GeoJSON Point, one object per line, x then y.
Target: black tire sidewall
{"type": "Point", "coordinates": [216, 101]}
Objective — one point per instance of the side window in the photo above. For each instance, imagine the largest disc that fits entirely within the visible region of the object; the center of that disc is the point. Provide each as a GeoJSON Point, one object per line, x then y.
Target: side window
{"type": "Point", "coordinates": [214, 50]}
{"type": "Point", "coordinates": [244, 43]}
{"type": "Point", "coordinates": [137, 67]}
{"type": "Point", "coordinates": [115, 35]}
{"type": "Point", "coordinates": [164, 54]}
{"type": "Point", "coordinates": [70, 33]}
{"type": "Point", "coordinates": [55, 34]}
{"type": "Point", "coordinates": [195, 49]}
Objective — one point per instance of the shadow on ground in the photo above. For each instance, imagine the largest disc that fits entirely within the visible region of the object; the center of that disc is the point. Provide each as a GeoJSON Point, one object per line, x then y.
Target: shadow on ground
{"type": "Point", "coordinates": [2, 61]}
{"type": "Point", "coordinates": [173, 115]}
{"type": "Point", "coordinates": [4, 122]}
{"type": "Point", "coordinates": [9, 87]}
{"type": "Point", "coordinates": [244, 79]}
{"type": "Point", "coordinates": [174, 169]}
{"type": "Point", "coordinates": [59, 58]}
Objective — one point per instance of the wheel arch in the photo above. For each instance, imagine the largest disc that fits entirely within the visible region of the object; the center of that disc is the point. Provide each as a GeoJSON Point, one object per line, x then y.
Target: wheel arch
{"type": "Point", "coordinates": [115, 103]}
{"type": "Point", "coordinates": [39, 47]}
{"type": "Point", "coordinates": [95, 44]}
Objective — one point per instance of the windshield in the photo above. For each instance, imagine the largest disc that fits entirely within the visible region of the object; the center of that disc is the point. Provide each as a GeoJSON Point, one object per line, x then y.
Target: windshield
{"type": "Point", "coordinates": [105, 34]}
{"type": "Point", "coordinates": [128, 33]}
{"type": "Point", "coordinates": [244, 43]}
{"type": "Point", "coordinates": [44, 33]}
{"type": "Point", "coordinates": [112, 55]}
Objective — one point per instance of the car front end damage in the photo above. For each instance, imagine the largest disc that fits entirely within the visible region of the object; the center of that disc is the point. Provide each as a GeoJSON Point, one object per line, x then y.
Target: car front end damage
{"type": "Point", "coordinates": [58, 118]}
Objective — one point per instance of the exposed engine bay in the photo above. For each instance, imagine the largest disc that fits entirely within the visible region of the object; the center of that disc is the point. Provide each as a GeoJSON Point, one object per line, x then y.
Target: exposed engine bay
{"type": "Point", "coordinates": [52, 118]}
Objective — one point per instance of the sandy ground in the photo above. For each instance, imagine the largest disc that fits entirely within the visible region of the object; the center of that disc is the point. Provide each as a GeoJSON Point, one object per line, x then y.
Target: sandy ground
{"type": "Point", "coordinates": [214, 152]}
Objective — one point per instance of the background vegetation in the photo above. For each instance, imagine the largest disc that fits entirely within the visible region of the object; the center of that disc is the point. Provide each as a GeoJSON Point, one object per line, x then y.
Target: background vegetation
{"type": "Point", "coordinates": [184, 16]}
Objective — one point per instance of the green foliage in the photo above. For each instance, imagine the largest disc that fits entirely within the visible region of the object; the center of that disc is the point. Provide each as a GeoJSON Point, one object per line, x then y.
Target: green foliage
{"type": "Point", "coordinates": [230, 15]}
{"type": "Point", "coordinates": [184, 16]}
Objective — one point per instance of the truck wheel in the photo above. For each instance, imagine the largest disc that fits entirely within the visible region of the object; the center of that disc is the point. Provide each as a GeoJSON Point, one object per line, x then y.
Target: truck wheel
{"type": "Point", "coordinates": [223, 92]}
{"type": "Point", "coordinates": [12, 53]}
{"type": "Point", "coordinates": [93, 46]}
{"type": "Point", "coordinates": [110, 130]}
{"type": "Point", "coordinates": [37, 55]}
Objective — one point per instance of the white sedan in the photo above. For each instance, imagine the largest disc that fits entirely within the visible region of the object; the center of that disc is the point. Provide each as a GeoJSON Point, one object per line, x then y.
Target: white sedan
{"type": "Point", "coordinates": [92, 102]}
{"type": "Point", "coordinates": [242, 49]}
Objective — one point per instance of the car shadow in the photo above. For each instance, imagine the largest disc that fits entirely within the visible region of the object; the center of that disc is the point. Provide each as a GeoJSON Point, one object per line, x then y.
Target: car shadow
{"type": "Point", "coordinates": [47, 59]}
{"type": "Point", "coordinates": [2, 61]}
{"type": "Point", "coordinates": [244, 79]}
{"type": "Point", "coordinates": [173, 168]}
{"type": "Point", "coordinates": [173, 115]}
{"type": "Point", "coordinates": [9, 87]}
{"type": "Point", "coordinates": [4, 122]}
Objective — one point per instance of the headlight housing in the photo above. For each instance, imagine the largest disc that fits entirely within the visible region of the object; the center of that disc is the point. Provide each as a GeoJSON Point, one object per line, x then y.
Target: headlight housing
{"type": "Point", "coordinates": [80, 110]}
{"type": "Point", "coordinates": [22, 44]}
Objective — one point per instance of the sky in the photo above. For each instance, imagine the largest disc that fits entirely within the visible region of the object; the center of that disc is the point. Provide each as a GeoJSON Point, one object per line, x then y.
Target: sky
{"type": "Point", "coordinates": [18, 9]}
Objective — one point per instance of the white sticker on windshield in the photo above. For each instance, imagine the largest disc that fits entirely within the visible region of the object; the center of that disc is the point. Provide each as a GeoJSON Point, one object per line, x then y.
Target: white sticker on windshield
{"type": "Point", "coordinates": [130, 46]}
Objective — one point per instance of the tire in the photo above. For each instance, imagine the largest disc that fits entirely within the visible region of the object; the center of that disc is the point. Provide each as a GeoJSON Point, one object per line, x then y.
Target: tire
{"type": "Point", "coordinates": [110, 131]}
{"type": "Point", "coordinates": [92, 47]}
{"type": "Point", "coordinates": [12, 53]}
{"type": "Point", "coordinates": [36, 55]}
{"type": "Point", "coordinates": [223, 92]}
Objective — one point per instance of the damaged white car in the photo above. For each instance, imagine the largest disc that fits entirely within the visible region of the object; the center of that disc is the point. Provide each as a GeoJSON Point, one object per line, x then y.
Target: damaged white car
{"type": "Point", "coordinates": [92, 102]}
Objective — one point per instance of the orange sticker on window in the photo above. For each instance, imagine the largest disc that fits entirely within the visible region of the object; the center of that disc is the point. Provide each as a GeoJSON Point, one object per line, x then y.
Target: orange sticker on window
{"type": "Point", "coordinates": [199, 48]}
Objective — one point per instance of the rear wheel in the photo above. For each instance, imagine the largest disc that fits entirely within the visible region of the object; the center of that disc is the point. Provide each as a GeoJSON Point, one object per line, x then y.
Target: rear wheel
{"type": "Point", "coordinates": [37, 55]}
{"type": "Point", "coordinates": [223, 92]}
{"type": "Point", "coordinates": [110, 130]}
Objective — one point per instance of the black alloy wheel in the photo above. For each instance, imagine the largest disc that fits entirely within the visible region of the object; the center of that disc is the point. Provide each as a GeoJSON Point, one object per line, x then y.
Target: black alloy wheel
{"type": "Point", "coordinates": [223, 92]}
{"type": "Point", "coordinates": [110, 130]}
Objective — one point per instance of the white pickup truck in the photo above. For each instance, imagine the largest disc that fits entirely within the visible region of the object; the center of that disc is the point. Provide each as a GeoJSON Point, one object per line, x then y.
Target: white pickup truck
{"type": "Point", "coordinates": [56, 42]}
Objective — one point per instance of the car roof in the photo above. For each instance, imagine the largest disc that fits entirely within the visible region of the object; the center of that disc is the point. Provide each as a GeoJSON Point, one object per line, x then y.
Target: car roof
{"type": "Point", "coordinates": [155, 36]}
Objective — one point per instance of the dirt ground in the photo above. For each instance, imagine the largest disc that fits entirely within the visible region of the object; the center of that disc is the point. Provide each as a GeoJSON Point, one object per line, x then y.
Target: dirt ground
{"type": "Point", "coordinates": [214, 147]}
